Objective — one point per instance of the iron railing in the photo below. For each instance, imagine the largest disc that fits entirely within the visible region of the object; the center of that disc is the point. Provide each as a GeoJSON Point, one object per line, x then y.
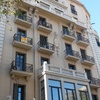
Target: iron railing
{"type": "Point", "coordinates": [88, 58]}
{"type": "Point", "coordinates": [25, 18]}
{"type": "Point", "coordinates": [72, 53]}
{"type": "Point", "coordinates": [95, 81]}
{"type": "Point", "coordinates": [68, 33]}
{"type": "Point", "coordinates": [45, 24]}
{"type": "Point", "coordinates": [19, 66]}
{"type": "Point", "coordinates": [23, 39]}
{"type": "Point", "coordinates": [80, 38]}
{"type": "Point", "coordinates": [46, 45]}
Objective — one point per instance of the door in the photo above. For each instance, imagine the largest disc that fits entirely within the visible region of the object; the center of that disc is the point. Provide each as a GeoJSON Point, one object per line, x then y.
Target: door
{"type": "Point", "coordinates": [69, 49]}
{"type": "Point", "coordinates": [42, 21]}
{"type": "Point", "coordinates": [43, 41]}
{"type": "Point", "coordinates": [88, 72]}
{"type": "Point", "coordinates": [19, 92]}
{"type": "Point", "coordinates": [20, 62]}
{"type": "Point", "coordinates": [21, 33]}
{"type": "Point", "coordinates": [94, 97]}
{"type": "Point", "coordinates": [79, 36]}
{"type": "Point", "coordinates": [83, 54]}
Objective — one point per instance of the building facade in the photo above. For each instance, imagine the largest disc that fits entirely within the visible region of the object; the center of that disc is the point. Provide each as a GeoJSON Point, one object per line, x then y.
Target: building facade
{"type": "Point", "coordinates": [46, 53]}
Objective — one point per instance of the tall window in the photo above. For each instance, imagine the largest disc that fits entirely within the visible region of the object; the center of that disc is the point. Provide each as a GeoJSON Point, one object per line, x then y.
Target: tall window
{"type": "Point", "coordinates": [69, 49]}
{"type": "Point", "coordinates": [18, 92]}
{"type": "Point", "coordinates": [83, 92]}
{"type": "Point", "coordinates": [20, 61]}
{"type": "Point", "coordinates": [70, 91]}
{"type": "Point", "coordinates": [55, 91]}
{"type": "Point", "coordinates": [42, 90]}
{"type": "Point", "coordinates": [65, 30]}
{"type": "Point", "coordinates": [73, 9]}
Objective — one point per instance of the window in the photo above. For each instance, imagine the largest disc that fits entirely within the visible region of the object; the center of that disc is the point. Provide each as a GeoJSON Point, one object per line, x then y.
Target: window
{"type": "Point", "coordinates": [43, 41]}
{"type": "Point", "coordinates": [83, 92]}
{"type": "Point", "coordinates": [44, 59]}
{"type": "Point", "coordinates": [18, 92]}
{"type": "Point", "coordinates": [83, 54]}
{"type": "Point", "coordinates": [88, 72]}
{"type": "Point", "coordinates": [94, 97]}
{"type": "Point", "coordinates": [42, 21]}
{"type": "Point", "coordinates": [55, 91]}
{"type": "Point", "coordinates": [69, 49]}
{"type": "Point", "coordinates": [98, 43]}
{"type": "Point", "coordinates": [65, 30]}
{"type": "Point", "coordinates": [42, 90]}
{"type": "Point", "coordinates": [70, 91]}
{"type": "Point", "coordinates": [73, 9]}
{"type": "Point", "coordinates": [20, 33]}
{"type": "Point", "coordinates": [22, 15]}
{"type": "Point", "coordinates": [20, 61]}
{"type": "Point", "coordinates": [73, 67]}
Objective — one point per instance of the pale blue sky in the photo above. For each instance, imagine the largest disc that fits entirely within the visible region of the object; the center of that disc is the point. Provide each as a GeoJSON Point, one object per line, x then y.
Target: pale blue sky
{"type": "Point", "coordinates": [93, 6]}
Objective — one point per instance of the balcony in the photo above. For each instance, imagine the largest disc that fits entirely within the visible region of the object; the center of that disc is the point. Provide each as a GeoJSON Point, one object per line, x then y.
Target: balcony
{"type": "Point", "coordinates": [94, 82]}
{"type": "Point", "coordinates": [21, 70]}
{"type": "Point", "coordinates": [88, 60]}
{"type": "Point", "coordinates": [68, 36]}
{"type": "Point", "coordinates": [48, 69]}
{"type": "Point", "coordinates": [72, 55]}
{"type": "Point", "coordinates": [46, 48]}
{"type": "Point", "coordinates": [24, 20]}
{"type": "Point", "coordinates": [44, 26]}
{"type": "Point", "coordinates": [82, 41]}
{"type": "Point", "coordinates": [22, 42]}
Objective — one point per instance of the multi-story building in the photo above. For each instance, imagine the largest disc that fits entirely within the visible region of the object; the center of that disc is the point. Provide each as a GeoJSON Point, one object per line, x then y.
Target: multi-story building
{"type": "Point", "coordinates": [45, 53]}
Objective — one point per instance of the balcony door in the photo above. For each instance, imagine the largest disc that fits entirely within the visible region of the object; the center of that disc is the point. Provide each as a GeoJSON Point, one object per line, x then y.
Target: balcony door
{"type": "Point", "coordinates": [43, 41]}
{"type": "Point", "coordinates": [68, 49]}
{"type": "Point", "coordinates": [42, 21]}
{"type": "Point", "coordinates": [19, 92]}
{"type": "Point", "coordinates": [21, 33]}
{"type": "Point", "coordinates": [65, 30]}
{"type": "Point", "coordinates": [83, 54]}
{"type": "Point", "coordinates": [79, 36]}
{"type": "Point", "coordinates": [20, 61]}
{"type": "Point", "coordinates": [88, 72]}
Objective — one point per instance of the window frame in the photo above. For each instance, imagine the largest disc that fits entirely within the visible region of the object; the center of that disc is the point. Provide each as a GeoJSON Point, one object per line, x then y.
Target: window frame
{"type": "Point", "coordinates": [70, 89]}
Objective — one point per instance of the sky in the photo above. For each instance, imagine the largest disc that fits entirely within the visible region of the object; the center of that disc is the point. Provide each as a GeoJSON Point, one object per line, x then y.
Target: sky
{"type": "Point", "coordinates": [93, 6]}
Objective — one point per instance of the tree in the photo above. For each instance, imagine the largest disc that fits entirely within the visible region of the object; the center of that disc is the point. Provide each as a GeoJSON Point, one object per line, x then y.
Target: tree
{"type": "Point", "coordinates": [9, 7]}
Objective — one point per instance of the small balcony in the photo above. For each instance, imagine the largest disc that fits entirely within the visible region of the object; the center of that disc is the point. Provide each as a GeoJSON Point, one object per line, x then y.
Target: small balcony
{"type": "Point", "coordinates": [48, 69]}
{"type": "Point", "coordinates": [82, 41]}
{"type": "Point", "coordinates": [88, 60]}
{"type": "Point", "coordinates": [72, 55]}
{"type": "Point", "coordinates": [68, 36]}
{"type": "Point", "coordinates": [94, 82]}
{"type": "Point", "coordinates": [46, 48]}
{"type": "Point", "coordinates": [21, 70]}
{"type": "Point", "coordinates": [22, 42]}
{"type": "Point", "coordinates": [44, 26]}
{"type": "Point", "coordinates": [24, 20]}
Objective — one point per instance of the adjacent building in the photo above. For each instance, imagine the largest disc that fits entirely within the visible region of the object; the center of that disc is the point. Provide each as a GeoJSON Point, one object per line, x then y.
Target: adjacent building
{"type": "Point", "coordinates": [46, 53]}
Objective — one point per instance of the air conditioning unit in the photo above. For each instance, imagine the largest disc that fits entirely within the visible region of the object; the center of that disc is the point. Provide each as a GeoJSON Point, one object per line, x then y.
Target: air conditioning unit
{"type": "Point", "coordinates": [9, 97]}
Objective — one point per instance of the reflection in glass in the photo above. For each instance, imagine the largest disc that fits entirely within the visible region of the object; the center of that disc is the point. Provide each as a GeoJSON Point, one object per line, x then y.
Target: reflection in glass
{"type": "Point", "coordinates": [70, 91]}
{"type": "Point", "coordinates": [55, 90]}
{"type": "Point", "coordinates": [83, 92]}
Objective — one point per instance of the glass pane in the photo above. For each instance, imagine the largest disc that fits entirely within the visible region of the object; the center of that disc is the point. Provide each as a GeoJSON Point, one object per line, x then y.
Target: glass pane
{"type": "Point", "coordinates": [83, 95]}
{"type": "Point", "coordinates": [60, 94]}
{"type": "Point", "coordinates": [55, 94]}
{"type": "Point", "coordinates": [69, 85]}
{"type": "Point", "coordinates": [70, 95]}
{"type": "Point", "coordinates": [82, 87]}
{"type": "Point", "coordinates": [54, 83]}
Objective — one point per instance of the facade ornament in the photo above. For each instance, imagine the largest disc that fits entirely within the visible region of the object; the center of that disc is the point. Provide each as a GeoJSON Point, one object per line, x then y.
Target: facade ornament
{"type": "Point", "coordinates": [56, 43]}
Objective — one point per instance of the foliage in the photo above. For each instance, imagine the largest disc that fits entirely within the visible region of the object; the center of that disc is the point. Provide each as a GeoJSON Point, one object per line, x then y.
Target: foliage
{"type": "Point", "coordinates": [9, 7]}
